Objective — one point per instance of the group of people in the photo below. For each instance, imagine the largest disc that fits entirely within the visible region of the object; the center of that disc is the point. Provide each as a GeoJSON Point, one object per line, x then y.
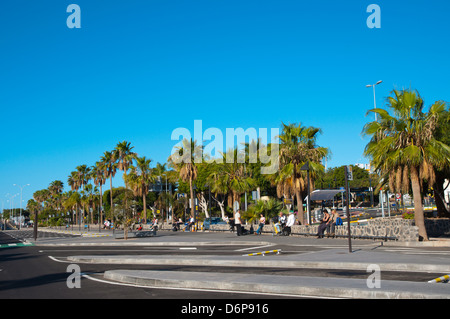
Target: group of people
{"type": "Point", "coordinates": [283, 224]}
{"type": "Point", "coordinates": [328, 223]}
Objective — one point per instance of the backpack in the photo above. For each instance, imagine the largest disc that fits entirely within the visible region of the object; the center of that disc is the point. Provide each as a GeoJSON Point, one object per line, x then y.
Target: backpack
{"type": "Point", "coordinates": [339, 221]}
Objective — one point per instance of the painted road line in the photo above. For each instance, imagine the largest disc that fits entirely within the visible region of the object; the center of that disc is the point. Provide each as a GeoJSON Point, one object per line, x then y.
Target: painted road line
{"type": "Point", "coordinates": [250, 248]}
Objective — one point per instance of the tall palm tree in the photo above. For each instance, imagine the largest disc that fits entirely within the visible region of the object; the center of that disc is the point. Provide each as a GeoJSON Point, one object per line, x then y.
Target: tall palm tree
{"type": "Point", "coordinates": [183, 161]}
{"type": "Point", "coordinates": [160, 169]}
{"type": "Point", "coordinates": [90, 196]}
{"type": "Point", "coordinates": [406, 139]}
{"type": "Point", "coordinates": [108, 163]}
{"type": "Point", "coordinates": [297, 147]}
{"type": "Point", "coordinates": [33, 206]}
{"type": "Point", "coordinates": [56, 187]}
{"type": "Point", "coordinates": [99, 179]}
{"type": "Point", "coordinates": [72, 202]}
{"type": "Point", "coordinates": [83, 173]}
{"type": "Point", "coordinates": [140, 178]}
{"type": "Point", "coordinates": [125, 156]}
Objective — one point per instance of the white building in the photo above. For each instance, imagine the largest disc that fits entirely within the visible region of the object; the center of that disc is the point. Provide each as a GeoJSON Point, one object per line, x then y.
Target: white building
{"type": "Point", "coordinates": [364, 166]}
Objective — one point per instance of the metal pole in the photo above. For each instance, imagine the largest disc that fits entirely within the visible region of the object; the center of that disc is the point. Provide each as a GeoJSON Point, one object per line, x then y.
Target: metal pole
{"type": "Point", "coordinates": [209, 206]}
{"type": "Point", "coordinates": [21, 191]}
{"type": "Point", "coordinates": [374, 102]}
{"type": "Point", "coordinates": [348, 211]}
{"type": "Point", "coordinates": [388, 204]}
{"type": "Point", "coordinates": [308, 207]}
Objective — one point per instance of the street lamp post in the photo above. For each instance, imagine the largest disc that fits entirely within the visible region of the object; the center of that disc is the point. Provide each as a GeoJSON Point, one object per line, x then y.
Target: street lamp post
{"type": "Point", "coordinates": [11, 204]}
{"type": "Point", "coordinates": [374, 100]}
{"type": "Point", "coordinates": [21, 189]}
{"type": "Point", "coordinates": [165, 201]}
{"type": "Point", "coordinates": [347, 206]}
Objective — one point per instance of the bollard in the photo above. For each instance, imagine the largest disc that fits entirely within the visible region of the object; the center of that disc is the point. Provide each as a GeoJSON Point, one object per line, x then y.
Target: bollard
{"type": "Point", "coordinates": [264, 252]}
{"type": "Point", "coordinates": [444, 278]}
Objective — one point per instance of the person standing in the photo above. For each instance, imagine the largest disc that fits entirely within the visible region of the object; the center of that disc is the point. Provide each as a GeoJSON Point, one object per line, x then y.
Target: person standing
{"type": "Point", "coordinates": [238, 223]}
{"type": "Point", "coordinates": [262, 222]}
{"type": "Point", "coordinates": [290, 222]}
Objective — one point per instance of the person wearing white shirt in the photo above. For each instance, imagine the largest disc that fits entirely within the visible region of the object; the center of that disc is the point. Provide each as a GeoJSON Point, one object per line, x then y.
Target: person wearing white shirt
{"type": "Point", "coordinates": [237, 222]}
{"type": "Point", "coordinates": [290, 222]}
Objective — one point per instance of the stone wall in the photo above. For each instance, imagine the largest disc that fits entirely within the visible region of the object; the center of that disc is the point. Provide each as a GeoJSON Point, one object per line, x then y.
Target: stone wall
{"type": "Point", "coordinates": [389, 228]}
{"type": "Point", "coordinates": [380, 228]}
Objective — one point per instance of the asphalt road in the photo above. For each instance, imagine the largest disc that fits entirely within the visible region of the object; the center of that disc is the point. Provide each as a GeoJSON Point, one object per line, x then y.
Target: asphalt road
{"type": "Point", "coordinates": [29, 272]}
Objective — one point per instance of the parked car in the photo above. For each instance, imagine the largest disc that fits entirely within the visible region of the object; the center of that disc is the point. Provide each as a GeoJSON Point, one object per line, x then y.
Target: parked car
{"type": "Point", "coordinates": [213, 221]}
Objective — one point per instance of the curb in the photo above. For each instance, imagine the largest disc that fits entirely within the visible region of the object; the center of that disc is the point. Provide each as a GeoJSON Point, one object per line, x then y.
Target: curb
{"type": "Point", "coordinates": [285, 285]}
{"type": "Point", "coordinates": [252, 262]}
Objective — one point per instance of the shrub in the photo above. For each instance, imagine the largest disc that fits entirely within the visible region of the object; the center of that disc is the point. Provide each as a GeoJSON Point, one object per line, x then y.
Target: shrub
{"type": "Point", "coordinates": [408, 215]}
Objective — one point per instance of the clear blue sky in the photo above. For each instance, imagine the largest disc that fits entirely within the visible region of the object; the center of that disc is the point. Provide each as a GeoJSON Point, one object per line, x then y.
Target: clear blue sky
{"type": "Point", "coordinates": [137, 70]}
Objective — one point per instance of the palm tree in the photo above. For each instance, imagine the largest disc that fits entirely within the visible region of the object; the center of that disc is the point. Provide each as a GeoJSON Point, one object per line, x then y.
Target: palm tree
{"type": "Point", "coordinates": [83, 175]}
{"type": "Point", "coordinates": [297, 147]}
{"type": "Point", "coordinates": [90, 196]}
{"type": "Point", "coordinates": [108, 163]}
{"type": "Point", "coordinates": [406, 139]}
{"type": "Point", "coordinates": [231, 176]}
{"type": "Point", "coordinates": [72, 202]}
{"type": "Point", "coordinates": [40, 197]}
{"type": "Point", "coordinates": [56, 188]}
{"type": "Point", "coordinates": [160, 169]}
{"type": "Point", "coordinates": [74, 182]}
{"type": "Point", "coordinates": [269, 209]}
{"type": "Point", "coordinates": [183, 161]}
{"type": "Point", "coordinates": [99, 178]}
{"type": "Point", "coordinates": [125, 156]}
{"type": "Point", "coordinates": [33, 206]}
{"type": "Point", "coordinates": [140, 178]}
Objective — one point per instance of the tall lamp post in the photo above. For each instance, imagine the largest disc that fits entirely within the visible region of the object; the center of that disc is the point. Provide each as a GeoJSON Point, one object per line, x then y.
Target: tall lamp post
{"type": "Point", "coordinates": [21, 189]}
{"type": "Point", "coordinates": [374, 100]}
{"type": "Point", "coordinates": [165, 201]}
{"type": "Point", "coordinates": [11, 204]}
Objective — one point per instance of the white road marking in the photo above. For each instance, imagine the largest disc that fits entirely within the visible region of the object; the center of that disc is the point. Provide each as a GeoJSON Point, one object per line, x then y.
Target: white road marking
{"type": "Point", "coordinates": [256, 247]}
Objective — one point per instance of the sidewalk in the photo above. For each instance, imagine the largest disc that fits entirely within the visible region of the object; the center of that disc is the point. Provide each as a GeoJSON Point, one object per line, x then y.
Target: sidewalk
{"type": "Point", "coordinates": [334, 255]}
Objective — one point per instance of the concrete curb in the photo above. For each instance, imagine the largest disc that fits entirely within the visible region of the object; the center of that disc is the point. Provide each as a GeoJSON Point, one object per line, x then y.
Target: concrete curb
{"type": "Point", "coordinates": [285, 285]}
{"type": "Point", "coordinates": [248, 261]}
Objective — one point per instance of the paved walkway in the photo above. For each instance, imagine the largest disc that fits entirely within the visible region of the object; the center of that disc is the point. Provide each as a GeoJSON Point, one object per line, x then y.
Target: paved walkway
{"type": "Point", "coordinates": [334, 255]}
